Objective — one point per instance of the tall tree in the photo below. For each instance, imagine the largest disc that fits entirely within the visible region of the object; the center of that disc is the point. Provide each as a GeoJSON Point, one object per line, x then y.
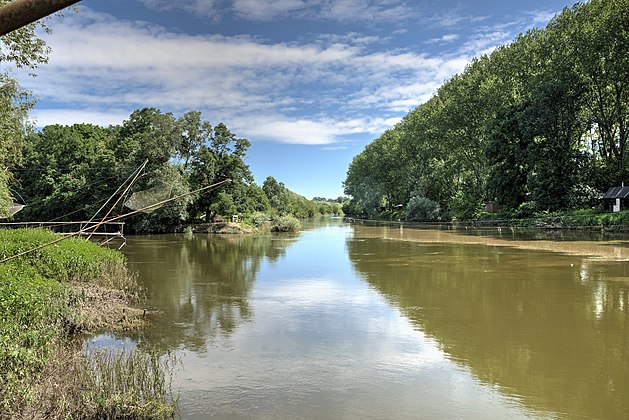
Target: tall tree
{"type": "Point", "coordinates": [221, 157]}
{"type": "Point", "coordinates": [597, 37]}
{"type": "Point", "coordinates": [194, 133]}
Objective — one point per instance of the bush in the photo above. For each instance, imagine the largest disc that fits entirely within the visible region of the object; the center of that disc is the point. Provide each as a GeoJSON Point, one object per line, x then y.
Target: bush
{"type": "Point", "coordinates": [422, 209]}
{"type": "Point", "coordinates": [258, 218]}
{"type": "Point", "coordinates": [526, 209]}
{"type": "Point", "coordinates": [286, 224]}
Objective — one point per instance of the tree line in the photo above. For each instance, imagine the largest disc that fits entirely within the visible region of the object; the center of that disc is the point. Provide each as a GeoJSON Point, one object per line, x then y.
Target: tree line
{"type": "Point", "coordinates": [68, 172]}
{"type": "Point", "coordinates": [65, 173]}
{"type": "Point", "coordinates": [541, 124]}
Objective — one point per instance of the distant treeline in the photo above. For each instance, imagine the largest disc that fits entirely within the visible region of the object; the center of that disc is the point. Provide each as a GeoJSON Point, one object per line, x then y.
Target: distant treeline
{"type": "Point", "coordinates": [541, 124]}
{"type": "Point", "coordinates": [68, 172]}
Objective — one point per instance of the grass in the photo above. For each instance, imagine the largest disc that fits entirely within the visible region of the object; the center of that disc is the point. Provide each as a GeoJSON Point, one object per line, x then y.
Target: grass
{"type": "Point", "coordinates": [33, 311]}
{"type": "Point", "coordinates": [576, 219]}
{"type": "Point", "coordinates": [46, 297]}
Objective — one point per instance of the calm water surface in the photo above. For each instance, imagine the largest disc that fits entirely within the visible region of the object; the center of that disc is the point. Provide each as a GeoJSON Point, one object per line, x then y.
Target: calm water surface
{"type": "Point", "coordinates": [345, 321]}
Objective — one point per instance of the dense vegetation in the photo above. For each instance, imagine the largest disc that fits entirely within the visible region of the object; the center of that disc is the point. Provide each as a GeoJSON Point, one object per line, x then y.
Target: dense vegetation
{"type": "Point", "coordinates": [539, 125]}
{"type": "Point", "coordinates": [42, 305]}
{"type": "Point", "coordinates": [68, 172]}
{"type": "Point", "coordinates": [23, 49]}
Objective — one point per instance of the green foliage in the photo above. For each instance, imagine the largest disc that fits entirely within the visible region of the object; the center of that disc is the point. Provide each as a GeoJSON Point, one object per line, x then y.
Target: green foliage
{"type": "Point", "coordinates": [68, 172]}
{"type": "Point", "coordinates": [422, 209]}
{"type": "Point", "coordinates": [224, 205]}
{"type": "Point", "coordinates": [5, 196]}
{"type": "Point", "coordinates": [286, 223]}
{"type": "Point", "coordinates": [14, 106]}
{"type": "Point", "coordinates": [259, 219]}
{"type": "Point", "coordinates": [35, 306]}
{"type": "Point", "coordinates": [221, 157]}
{"type": "Point", "coordinates": [32, 310]}
{"type": "Point", "coordinates": [23, 47]}
{"type": "Point", "coordinates": [539, 125]}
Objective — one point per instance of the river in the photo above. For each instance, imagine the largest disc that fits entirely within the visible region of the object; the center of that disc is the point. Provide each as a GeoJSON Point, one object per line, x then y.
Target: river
{"type": "Point", "coordinates": [349, 321]}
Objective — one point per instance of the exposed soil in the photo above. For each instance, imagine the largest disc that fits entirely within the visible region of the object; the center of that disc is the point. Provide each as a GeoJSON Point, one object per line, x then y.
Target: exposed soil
{"type": "Point", "coordinates": [101, 308]}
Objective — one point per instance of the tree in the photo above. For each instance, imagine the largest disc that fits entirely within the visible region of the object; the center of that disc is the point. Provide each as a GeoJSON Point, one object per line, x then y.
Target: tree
{"type": "Point", "coordinates": [22, 46]}
{"type": "Point", "coordinates": [150, 135]}
{"type": "Point", "coordinates": [509, 157]}
{"type": "Point", "coordinates": [278, 196]}
{"type": "Point", "coordinates": [194, 133]}
{"type": "Point", "coordinates": [221, 157]}
{"type": "Point", "coordinates": [66, 169]}
{"type": "Point", "coordinates": [596, 38]}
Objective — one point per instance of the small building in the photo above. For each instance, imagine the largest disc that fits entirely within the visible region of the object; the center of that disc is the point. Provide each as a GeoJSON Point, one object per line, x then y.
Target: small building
{"type": "Point", "coordinates": [618, 198]}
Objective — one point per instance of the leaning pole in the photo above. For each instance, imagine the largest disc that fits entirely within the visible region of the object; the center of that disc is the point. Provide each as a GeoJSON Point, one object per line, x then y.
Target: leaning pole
{"type": "Point", "coordinates": [22, 12]}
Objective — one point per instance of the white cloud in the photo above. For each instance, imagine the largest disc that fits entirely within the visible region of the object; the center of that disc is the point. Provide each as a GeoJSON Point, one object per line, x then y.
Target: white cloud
{"type": "Point", "coordinates": [443, 39]}
{"type": "Point", "coordinates": [454, 18]}
{"type": "Point", "coordinates": [542, 17]}
{"type": "Point", "coordinates": [265, 10]}
{"type": "Point", "coordinates": [366, 10]}
{"type": "Point", "coordinates": [319, 92]}
{"type": "Point", "coordinates": [486, 42]}
{"type": "Point", "coordinates": [269, 10]}
{"type": "Point", "coordinates": [208, 8]}
{"type": "Point", "coordinates": [334, 148]}
{"type": "Point", "coordinates": [307, 93]}
{"type": "Point", "coordinates": [44, 117]}
{"type": "Point", "coordinates": [333, 10]}
{"type": "Point", "coordinates": [309, 131]}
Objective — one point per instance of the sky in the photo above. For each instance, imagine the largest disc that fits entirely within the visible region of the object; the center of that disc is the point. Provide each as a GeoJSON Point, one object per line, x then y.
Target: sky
{"type": "Point", "coordinates": [308, 82]}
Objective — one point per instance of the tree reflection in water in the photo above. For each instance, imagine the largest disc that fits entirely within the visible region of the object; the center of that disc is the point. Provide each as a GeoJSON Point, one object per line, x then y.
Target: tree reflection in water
{"type": "Point", "coordinates": [201, 284]}
{"type": "Point", "coordinates": [547, 329]}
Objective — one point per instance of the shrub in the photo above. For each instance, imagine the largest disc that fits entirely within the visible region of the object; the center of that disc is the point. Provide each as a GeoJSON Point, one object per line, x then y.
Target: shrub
{"type": "Point", "coordinates": [422, 209]}
{"type": "Point", "coordinates": [258, 218]}
{"type": "Point", "coordinates": [526, 209]}
{"type": "Point", "coordinates": [286, 224]}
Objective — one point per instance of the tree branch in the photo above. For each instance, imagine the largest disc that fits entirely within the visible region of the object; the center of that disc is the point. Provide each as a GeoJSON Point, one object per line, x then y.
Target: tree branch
{"type": "Point", "coordinates": [22, 12]}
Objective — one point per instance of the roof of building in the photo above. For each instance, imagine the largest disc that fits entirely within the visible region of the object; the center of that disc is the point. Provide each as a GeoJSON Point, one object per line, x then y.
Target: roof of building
{"type": "Point", "coordinates": [616, 192]}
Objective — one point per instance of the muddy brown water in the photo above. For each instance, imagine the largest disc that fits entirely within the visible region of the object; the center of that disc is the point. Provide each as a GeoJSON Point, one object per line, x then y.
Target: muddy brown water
{"type": "Point", "coordinates": [346, 321]}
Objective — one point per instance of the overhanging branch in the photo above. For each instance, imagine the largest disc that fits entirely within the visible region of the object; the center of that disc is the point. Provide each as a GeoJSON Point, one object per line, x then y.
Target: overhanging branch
{"type": "Point", "coordinates": [22, 12]}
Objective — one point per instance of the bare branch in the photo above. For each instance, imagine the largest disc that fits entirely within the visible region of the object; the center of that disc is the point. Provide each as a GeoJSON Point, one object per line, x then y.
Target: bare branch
{"type": "Point", "coordinates": [22, 12]}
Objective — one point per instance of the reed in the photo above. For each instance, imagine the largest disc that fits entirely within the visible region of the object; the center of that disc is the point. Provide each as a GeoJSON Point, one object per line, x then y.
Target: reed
{"type": "Point", "coordinates": [132, 384]}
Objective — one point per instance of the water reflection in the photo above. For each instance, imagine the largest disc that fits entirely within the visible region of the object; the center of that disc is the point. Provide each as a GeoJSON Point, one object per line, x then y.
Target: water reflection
{"type": "Point", "coordinates": [200, 284]}
{"type": "Point", "coordinates": [548, 329]}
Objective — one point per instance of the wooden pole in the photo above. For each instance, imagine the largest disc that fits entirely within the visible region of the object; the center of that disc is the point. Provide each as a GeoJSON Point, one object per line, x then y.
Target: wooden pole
{"type": "Point", "coordinates": [22, 12]}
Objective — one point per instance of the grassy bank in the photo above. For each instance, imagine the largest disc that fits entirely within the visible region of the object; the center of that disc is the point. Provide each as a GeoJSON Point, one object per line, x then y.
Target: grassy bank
{"type": "Point", "coordinates": [46, 299]}
{"type": "Point", "coordinates": [576, 219]}
{"type": "Point", "coordinates": [590, 220]}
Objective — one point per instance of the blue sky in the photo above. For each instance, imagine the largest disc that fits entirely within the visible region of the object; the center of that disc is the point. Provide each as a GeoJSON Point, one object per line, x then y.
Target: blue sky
{"type": "Point", "coordinates": [308, 82]}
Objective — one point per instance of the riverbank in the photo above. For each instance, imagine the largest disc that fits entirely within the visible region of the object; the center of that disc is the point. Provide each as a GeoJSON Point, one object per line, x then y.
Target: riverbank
{"type": "Point", "coordinates": [587, 220]}
{"type": "Point", "coordinates": [258, 223]}
{"type": "Point", "coordinates": [48, 299]}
